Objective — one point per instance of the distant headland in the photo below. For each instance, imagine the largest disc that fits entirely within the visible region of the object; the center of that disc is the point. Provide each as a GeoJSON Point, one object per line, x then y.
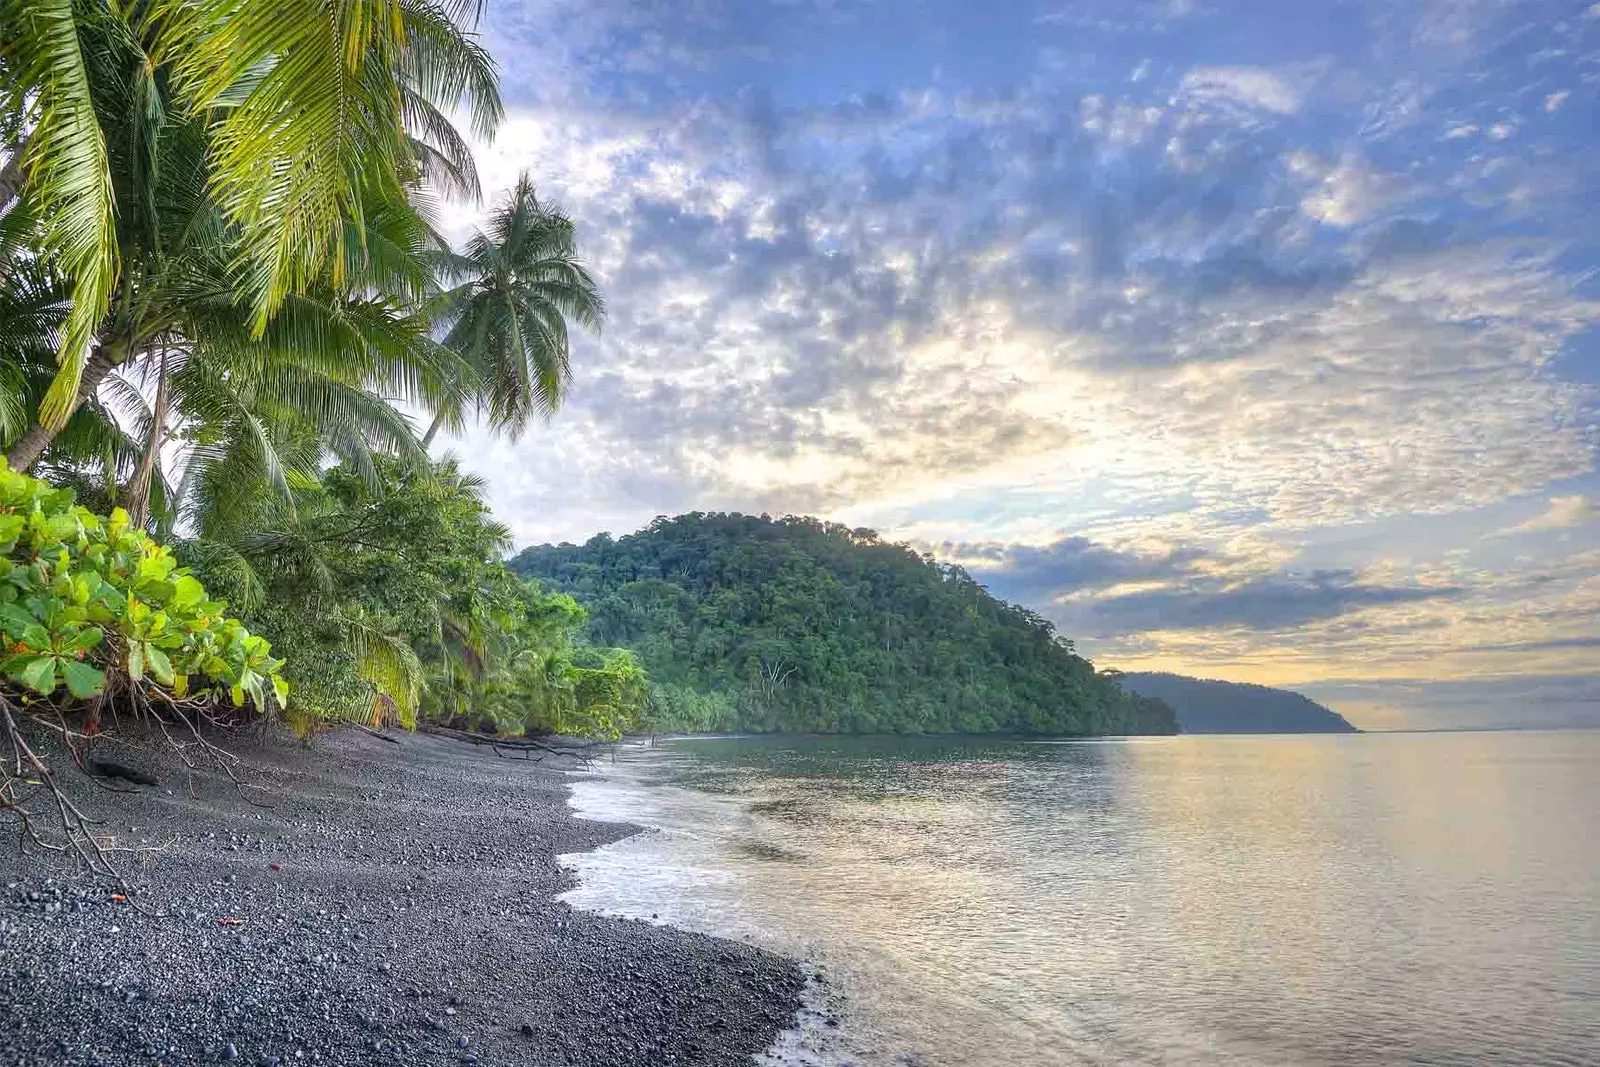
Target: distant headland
{"type": "Point", "coordinates": [1206, 706]}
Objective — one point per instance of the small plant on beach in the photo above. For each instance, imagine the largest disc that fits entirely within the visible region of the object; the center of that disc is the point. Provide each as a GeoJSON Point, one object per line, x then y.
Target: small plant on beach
{"type": "Point", "coordinates": [96, 615]}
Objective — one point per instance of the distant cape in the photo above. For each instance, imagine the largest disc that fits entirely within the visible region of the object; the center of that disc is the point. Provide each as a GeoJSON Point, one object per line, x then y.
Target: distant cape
{"type": "Point", "coordinates": [1212, 707]}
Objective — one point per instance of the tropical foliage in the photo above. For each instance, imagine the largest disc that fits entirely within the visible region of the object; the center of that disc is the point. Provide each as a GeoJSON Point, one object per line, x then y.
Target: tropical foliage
{"type": "Point", "coordinates": [220, 292]}
{"type": "Point", "coordinates": [222, 298]}
{"type": "Point", "coordinates": [198, 168]}
{"type": "Point", "coordinates": [390, 601]}
{"type": "Point", "coordinates": [750, 623]}
{"type": "Point", "coordinates": [93, 607]}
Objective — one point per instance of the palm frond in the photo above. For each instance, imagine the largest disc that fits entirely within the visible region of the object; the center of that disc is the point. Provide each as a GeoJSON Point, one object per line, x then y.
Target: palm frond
{"type": "Point", "coordinates": [387, 662]}
{"type": "Point", "coordinates": [69, 180]}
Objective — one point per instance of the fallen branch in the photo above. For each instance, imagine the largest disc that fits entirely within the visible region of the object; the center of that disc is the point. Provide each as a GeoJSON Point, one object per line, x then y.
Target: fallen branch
{"type": "Point", "coordinates": [582, 752]}
{"type": "Point", "coordinates": [191, 714]}
{"type": "Point", "coordinates": [377, 734]}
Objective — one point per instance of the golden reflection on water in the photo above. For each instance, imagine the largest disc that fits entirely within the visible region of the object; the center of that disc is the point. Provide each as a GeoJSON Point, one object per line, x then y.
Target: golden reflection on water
{"type": "Point", "coordinates": [1193, 900]}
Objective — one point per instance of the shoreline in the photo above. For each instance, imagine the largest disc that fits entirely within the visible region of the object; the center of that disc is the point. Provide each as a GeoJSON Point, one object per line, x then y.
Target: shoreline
{"type": "Point", "coordinates": [824, 1029]}
{"type": "Point", "coordinates": [398, 905]}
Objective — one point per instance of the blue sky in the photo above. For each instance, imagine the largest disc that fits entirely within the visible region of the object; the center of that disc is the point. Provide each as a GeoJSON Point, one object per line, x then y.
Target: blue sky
{"type": "Point", "coordinates": [1250, 340]}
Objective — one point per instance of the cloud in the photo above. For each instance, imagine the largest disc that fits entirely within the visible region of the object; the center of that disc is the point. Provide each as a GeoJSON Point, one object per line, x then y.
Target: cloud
{"type": "Point", "coordinates": [1551, 644]}
{"type": "Point", "coordinates": [1264, 604]}
{"type": "Point", "coordinates": [1043, 573]}
{"type": "Point", "coordinates": [802, 339]}
{"type": "Point", "coordinates": [1531, 701]}
{"type": "Point", "coordinates": [1564, 512]}
{"type": "Point", "coordinates": [1252, 86]}
{"type": "Point", "coordinates": [1207, 319]}
{"type": "Point", "coordinates": [1347, 194]}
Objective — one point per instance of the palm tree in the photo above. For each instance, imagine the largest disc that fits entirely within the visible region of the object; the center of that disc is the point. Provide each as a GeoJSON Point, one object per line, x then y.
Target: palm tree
{"type": "Point", "coordinates": [92, 452]}
{"type": "Point", "coordinates": [518, 284]}
{"type": "Point", "coordinates": [283, 136]}
{"type": "Point", "coordinates": [322, 363]}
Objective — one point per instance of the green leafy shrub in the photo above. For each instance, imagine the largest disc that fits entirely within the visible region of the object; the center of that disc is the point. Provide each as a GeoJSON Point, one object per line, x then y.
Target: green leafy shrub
{"type": "Point", "coordinates": [90, 604]}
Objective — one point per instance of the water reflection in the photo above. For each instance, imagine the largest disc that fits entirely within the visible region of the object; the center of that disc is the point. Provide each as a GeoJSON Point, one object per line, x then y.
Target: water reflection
{"type": "Point", "coordinates": [1189, 900]}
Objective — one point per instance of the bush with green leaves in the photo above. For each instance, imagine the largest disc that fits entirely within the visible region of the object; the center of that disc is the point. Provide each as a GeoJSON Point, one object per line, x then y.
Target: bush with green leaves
{"type": "Point", "coordinates": [91, 606]}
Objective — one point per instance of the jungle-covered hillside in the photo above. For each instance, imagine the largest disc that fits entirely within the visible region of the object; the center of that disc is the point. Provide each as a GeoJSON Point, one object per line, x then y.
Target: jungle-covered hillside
{"type": "Point", "coordinates": [752, 623]}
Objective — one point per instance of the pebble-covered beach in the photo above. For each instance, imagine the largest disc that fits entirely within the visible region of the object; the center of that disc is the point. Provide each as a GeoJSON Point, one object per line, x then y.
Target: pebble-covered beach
{"type": "Point", "coordinates": [391, 904]}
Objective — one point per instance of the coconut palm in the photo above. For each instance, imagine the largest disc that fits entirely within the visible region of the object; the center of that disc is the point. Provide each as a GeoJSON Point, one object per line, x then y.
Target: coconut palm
{"type": "Point", "coordinates": [517, 285]}
{"type": "Point", "coordinates": [92, 452]}
{"type": "Point", "coordinates": [285, 134]}
{"type": "Point", "coordinates": [321, 365]}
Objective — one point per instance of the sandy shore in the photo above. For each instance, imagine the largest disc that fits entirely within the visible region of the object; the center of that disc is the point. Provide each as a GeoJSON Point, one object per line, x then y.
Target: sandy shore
{"type": "Point", "coordinates": [397, 907]}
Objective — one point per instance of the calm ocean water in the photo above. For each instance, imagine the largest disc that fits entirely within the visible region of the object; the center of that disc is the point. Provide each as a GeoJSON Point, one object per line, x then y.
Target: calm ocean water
{"type": "Point", "coordinates": [1381, 898]}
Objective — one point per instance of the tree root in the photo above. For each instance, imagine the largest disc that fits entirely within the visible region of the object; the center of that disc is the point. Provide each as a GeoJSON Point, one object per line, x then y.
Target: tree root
{"type": "Point", "coordinates": [77, 837]}
{"type": "Point", "coordinates": [27, 777]}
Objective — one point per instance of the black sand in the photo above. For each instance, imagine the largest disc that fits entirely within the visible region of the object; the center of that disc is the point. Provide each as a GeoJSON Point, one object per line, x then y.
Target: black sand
{"type": "Point", "coordinates": [410, 920]}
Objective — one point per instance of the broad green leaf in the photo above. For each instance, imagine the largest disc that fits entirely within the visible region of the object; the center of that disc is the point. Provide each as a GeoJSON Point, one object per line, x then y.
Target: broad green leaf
{"type": "Point", "coordinates": [14, 620]}
{"type": "Point", "coordinates": [84, 586]}
{"type": "Point", "coordinates": [159, 664]}
{"type": "Point", "coordinates": [83, 680]}
{"type": "Point", "coordinates": [85, 640]}
{"type": "Point", "coordinates": [280, 689]}
{"type": "Point", "coordinates": [187, 592]}
{"type": "Point", "coordinates": [60, 595]}
{"type": "Point", "coordinates": [38, 674]}
{"type": "Point", "coordinates": [62, 527]}
{"type": "Point", "coordinates": [153, 589]}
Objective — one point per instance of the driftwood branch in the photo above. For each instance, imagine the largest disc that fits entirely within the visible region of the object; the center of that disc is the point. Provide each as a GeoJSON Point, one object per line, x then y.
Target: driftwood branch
{"type": "Point", "coordinates": [581, 751]}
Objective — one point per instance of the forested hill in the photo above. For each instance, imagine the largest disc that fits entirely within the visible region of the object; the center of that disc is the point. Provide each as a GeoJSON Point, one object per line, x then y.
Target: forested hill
{"type": "Point", "coordinates": [1211, 707]}
{"type": "Point", "coordinates": [752, 623]}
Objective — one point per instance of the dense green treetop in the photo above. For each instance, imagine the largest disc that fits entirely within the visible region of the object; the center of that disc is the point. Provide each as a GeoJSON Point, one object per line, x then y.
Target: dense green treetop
{"type": "Point", "coordinates": [751, 623]}
{"type": "Point", "coordinates": [389, 599]}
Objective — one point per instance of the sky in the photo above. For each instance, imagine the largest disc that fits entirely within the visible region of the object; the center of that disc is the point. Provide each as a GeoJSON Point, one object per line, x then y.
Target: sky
{"type": "Point", "coordinates": [1255, 341]}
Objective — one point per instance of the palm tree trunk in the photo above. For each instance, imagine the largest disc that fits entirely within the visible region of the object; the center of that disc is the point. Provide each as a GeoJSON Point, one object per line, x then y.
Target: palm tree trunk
{"type": "Point", "coordinates": [427, 438]}
{"type": "Point", "coordinates": [137, 493]}
{"type": "Point", "coordinates": [27, 449]}
{"type": "Point", "coordinates": [11, 176]}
